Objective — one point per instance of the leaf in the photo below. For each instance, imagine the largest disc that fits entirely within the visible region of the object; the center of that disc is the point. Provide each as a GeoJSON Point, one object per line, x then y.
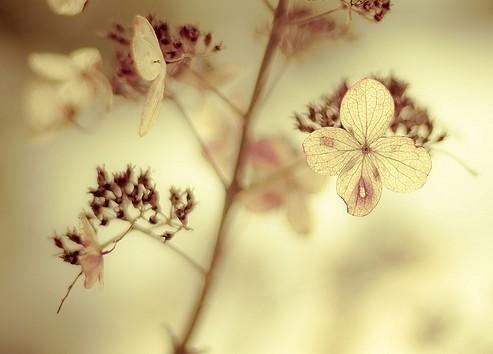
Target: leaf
{"type": "Point", "coordinates": [403, 166]}
{"type": "Point", "coordinates": [367, 110]}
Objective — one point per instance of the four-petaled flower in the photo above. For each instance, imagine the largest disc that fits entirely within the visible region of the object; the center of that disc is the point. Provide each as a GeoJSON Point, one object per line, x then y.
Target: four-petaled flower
{"type": "Point", "coordinates": [73, 89]}
{"type": "Point", "coordinates": [280, 182]}
{"type": "Point", "coordinates": [361, 156]}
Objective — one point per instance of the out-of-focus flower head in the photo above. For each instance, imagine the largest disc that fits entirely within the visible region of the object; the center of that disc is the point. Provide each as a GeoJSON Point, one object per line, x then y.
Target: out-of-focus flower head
{"type": "Point", "coordinates": [410, 119]}
{"type": "Point", "coordinates": [180, 46]}
{"type": "Point", "coordinates": [299, 35]}
{"type": "Point", "coordinates": [279, 181]}
{"type": "Point", "coordinates": [67, 7]}
{"type": "Point", "coordinates": [71, 89]}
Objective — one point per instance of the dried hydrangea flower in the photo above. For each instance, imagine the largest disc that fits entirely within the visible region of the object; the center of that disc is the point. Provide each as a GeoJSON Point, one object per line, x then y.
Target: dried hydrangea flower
{"type": "Point", "coordinates": [276, 184]}
{"type": "Point", "coordinates": [129, 197]}
{"type": "Point", "coordinates": [151, 66]}
{"type": "Point", "coordinates": [410, 119]}
{"type": "Point", "coordinates": [361, 156]}
{"type": "Point", "coordinates": [67, 7]}
{"type": "Point", "coordinates": [89, 253]}
{"type": "Point", "coordinates": [72, 90]}
{"type": "Point", "coordinates": [90, 256]}
{"type": "Point", "coordinates": [298, 35]}
{"type": "Point", "coordinates": [374, 10]}
{"type": "Point", "coordinates": [179, 46]}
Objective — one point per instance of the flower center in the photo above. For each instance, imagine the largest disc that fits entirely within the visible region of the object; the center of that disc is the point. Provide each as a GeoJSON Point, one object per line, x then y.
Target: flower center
{"type": "Point", "coordinates": [365, 149]}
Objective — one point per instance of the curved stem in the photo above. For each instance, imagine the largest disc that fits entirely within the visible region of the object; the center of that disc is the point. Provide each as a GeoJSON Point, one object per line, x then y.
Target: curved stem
{"type": "Point", "coordinates": [304, 21]}
{"type": "Point", "coordinates": [69, 289]}
{"type": "Point", "coordinates": [205, 150]}
{"type": "Point", "coordinates": [218, 93]}
{"type": "Point", "coordinates": [234, 188]}
{"type": "Point", "coordinates": [469, 169]}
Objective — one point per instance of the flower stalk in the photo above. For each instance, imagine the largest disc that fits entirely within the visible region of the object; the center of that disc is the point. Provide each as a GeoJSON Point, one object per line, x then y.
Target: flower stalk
{"type": "Point", "coordinates": [280, 17]}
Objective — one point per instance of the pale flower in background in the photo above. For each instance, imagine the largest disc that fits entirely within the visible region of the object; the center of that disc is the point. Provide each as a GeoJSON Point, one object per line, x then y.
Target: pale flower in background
{"type": "Point", "coordinates": [280, 181]}
{"type": "Point", "coordinates": [67, 7]}
{"type": "Point", "coordinates": [72, 89]}
{"type": "Point", "coordinates": [359, 153]}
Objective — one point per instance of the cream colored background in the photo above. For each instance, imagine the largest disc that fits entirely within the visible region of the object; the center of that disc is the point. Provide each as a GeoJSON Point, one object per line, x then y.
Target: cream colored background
{"type": "Point", "coordinates": [366, 286]}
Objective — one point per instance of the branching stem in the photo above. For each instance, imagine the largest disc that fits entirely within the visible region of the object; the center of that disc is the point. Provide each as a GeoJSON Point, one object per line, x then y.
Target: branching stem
{"type": "Point", "coordinates": [280, 18]}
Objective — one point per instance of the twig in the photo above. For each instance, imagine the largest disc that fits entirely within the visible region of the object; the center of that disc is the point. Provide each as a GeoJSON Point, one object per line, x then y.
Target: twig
{"type": "Point", "coordinates": [268, 5]}
{"type": "Point", "coordinates": [202, 144]}
{"type": "Point", "coordinates": [304, 21]}
{"type": "Point", "coordinates": [218, 93]}
{"type": "Point", "coordinates": [178, 251]}
{"type": "Point", "coordinates": [469, 169]}
{"type": "Point", "coordinates": [69, 289]}
{"type": "Point", "coordinates": [280, 16]}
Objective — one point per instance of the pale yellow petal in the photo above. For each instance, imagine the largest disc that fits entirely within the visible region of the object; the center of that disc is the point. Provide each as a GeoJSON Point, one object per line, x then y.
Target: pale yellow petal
{"type": "Point", "coordinates": [367, 110]}
{"type": "Point", "coordinates": [146, 51]}
{"type": "Point", "coordinates": [87, 58]}
{"type": "Point", "coordinates": [67, 7]}
{"type": "Point", "coordinates": [88, 233]}
{"type": "Point", "coordinates": [328, 150]}
{"type": "Point", "coordinates": [50, 66]}
{"type": "Point", "coordinates": [360, 186]}
{"type": "Point", "coordinates": [92, 267]}
{"type": "Point", "coordinates": [152, 105]}
{"type": "Point", "coordinates": [402, 166]}
{"type": "Point", "coordinates": [44, 107]}
{"type": "Point", "coordinates": [298, 213]}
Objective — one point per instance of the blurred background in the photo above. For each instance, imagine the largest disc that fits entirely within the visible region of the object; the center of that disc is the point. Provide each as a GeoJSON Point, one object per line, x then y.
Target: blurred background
{"type": "Point", "coordinates": [415, 276]}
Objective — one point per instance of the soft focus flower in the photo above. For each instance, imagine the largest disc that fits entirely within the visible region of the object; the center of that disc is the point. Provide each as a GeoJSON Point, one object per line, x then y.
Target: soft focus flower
{"type": "Point", "coordinates": [279, 181]}
{"type": "Point", "coordinates": [359, 153]}
{"type": "Point", "coordinates": [72, 89]}
{"type": "Point", "coordinates": [299, 36]}
{"type": "Point", "coordinates": [67, 7]}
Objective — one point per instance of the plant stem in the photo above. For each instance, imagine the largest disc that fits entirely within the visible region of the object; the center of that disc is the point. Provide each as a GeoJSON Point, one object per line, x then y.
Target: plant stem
{"type": "Point", "coordinates": [280, 18]}
{"type": "Point", "coordinates": [218, 93]}
{"type": "Point", "coordinates": [69, 289]}
{"type": "Point", "coordinates": [205, 150]}
{"type": "Point", "coordinates": [304, 21]}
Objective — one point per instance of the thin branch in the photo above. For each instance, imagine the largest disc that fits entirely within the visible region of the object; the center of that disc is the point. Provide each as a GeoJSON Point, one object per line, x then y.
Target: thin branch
{"type": "Point", "coordinates": [306, 20]}
{"type": "Point", "coordinates": [218, 93]}
{"type": "Point", "coordinates": [179, 252]}
{"type": "Point", "coordinates": [69, 289]}
{"type": "Point", "coordinates": [469, 169]}
{"type": "Point", "coordinates": [202, 144]}
{"type": "Point", "coordinates": [280, 18]}
{"type": "Point", "coordinates": [276, 80]}
{"type": "Point", "coordinates": [268, 5]}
